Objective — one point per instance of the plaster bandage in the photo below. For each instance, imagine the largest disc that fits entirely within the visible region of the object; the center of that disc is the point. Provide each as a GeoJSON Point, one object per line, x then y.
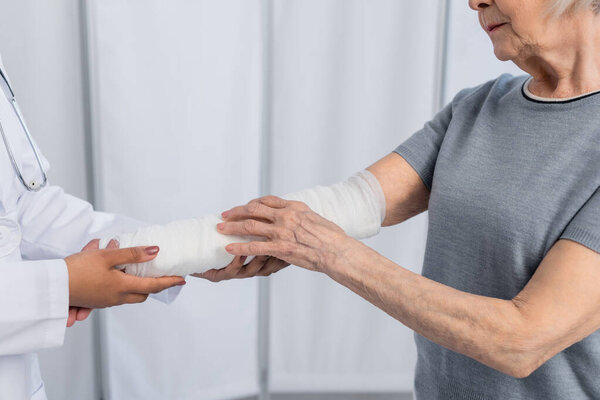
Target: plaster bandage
{"type": "Point", "coordinates": [356, 205]}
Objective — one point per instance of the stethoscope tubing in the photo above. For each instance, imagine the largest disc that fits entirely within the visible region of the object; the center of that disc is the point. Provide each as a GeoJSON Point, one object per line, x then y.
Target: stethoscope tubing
{"type": "Point", "coordinates": [32, 186]}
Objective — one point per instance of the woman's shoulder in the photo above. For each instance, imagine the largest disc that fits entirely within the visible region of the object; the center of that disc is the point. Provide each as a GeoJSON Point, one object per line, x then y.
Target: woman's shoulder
{"type": "Point", "coordinates": [502, 86]}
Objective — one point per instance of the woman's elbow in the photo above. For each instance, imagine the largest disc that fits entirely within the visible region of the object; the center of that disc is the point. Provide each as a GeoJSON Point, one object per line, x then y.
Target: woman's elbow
{"type": "Point", "coordinates": [521, 360]}
{"type": "Point", "coordinates": [520, 353]}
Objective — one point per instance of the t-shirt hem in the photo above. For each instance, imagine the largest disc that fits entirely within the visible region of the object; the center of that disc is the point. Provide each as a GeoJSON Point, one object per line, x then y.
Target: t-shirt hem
{"type": "Point", "coordinates": [582, 236]}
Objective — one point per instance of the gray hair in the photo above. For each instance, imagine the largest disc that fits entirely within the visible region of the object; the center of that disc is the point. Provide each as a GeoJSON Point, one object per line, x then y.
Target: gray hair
{"type": "Point", "coordinates": [559, 7]}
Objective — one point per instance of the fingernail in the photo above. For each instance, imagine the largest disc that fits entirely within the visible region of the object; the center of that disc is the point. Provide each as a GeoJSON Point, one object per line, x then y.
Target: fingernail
{"type": "Point", "coordinates": [152, 250]}
{"type": "Point", "coordinates": [229, 247]}
{"type": "Point", "coordinates": [224, 214]}
{"type": "Point", "coordinates": [220, 226]}
{"type": "Point", "coordinates": [181, 283]}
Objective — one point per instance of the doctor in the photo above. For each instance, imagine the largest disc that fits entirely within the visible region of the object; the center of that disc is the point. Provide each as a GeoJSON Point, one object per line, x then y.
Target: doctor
{"type": "Point", "coordinates": [47, 227]}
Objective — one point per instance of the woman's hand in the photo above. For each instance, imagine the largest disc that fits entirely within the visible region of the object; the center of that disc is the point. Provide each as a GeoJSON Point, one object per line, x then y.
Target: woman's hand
{"type": "Point", "coordinates": [295, 235]}
{"type": "Point", "coordinates": [94, 282]}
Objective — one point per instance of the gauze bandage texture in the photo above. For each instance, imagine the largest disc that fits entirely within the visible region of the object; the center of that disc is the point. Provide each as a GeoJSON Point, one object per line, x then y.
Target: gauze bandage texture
{"type": "Point", "coordinates": [194, 245]}
{"type": "Point", "coordinates": [356, 205]}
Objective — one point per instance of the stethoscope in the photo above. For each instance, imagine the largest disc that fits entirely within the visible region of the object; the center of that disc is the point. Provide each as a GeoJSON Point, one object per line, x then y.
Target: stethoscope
{"type": "Point", "coordinates": [33, 185]}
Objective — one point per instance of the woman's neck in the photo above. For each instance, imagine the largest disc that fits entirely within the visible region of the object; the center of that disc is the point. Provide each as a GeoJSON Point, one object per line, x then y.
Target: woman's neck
{"type": "Point", "coordinates": [569, 69]}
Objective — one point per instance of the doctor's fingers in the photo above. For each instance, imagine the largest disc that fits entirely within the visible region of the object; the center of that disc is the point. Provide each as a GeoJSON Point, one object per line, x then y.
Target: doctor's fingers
{"type": "Point", "coordinates": [137, 285]}
{"type": "Point", "coordinates": [83, 313]}
{"type": "Point", "coordinates": [92, 245]}
{"type": "Point", "coordinates": [272, 266]}
{"type": "Point", "coordinates": [134, 298]}
{"type": "Point", "coordinates": [129, 255]}
{"type": "Point", "coordinates": [72, 316]}
{"type": "Point", "coordinates": [229, 272]}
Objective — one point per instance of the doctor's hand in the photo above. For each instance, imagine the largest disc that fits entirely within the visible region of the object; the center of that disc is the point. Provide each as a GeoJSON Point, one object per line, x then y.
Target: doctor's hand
{"type": "Point", "coordinates": [259, 266]}
{"type": "Point", "coordinates": [94, 282]}
{"type": "Point", "coordinates": [81, 313]}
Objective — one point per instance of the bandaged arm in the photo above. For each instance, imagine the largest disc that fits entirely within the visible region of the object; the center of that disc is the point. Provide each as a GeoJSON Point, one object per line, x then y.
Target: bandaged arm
{"type": "Point", "coordinates": [356, 205]}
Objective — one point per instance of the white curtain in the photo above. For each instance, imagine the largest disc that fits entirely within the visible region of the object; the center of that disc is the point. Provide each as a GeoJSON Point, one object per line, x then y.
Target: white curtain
{"type": "Point", "coordinates": [177, 100]}
{"type": "Point", "coordinates": [352, 80]}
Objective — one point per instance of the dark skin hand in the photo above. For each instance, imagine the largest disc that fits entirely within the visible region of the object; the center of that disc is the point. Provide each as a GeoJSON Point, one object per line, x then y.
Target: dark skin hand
{"type": "Point", "coordinates": [81, 313]}
{"type": "Point", "coordinates": [95, 282]}
{"type": "Point", "coordinates": [259, 266]}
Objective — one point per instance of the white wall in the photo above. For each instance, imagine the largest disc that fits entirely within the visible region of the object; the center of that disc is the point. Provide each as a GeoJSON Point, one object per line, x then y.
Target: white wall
{"type": "Point", "coordinates": [39, 43]}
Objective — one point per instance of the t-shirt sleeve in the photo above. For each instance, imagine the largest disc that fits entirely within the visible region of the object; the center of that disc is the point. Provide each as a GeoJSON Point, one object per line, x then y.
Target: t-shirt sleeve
{"type": "Point", "coordinates": [584, 228]}
{"type": "Point", "coordinates": [422, 148]}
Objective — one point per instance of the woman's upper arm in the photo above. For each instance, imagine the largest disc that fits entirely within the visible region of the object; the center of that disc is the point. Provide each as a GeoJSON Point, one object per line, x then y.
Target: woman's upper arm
{"type": "Point", "coordinates": [405, 193]}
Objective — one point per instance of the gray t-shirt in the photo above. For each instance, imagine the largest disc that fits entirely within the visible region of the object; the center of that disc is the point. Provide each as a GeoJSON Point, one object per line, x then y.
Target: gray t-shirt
{"type": "Point", "coordinates": [509, 176]}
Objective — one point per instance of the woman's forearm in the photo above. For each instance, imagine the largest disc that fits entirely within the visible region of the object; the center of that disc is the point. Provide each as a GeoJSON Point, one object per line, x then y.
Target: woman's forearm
{"type": "Point", "coordinates": [489, 330]}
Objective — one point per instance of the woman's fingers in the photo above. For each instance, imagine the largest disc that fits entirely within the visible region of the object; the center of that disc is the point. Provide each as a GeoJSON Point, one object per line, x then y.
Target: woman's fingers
{"type": "Point", "coordinates": [273, 201]}
{"type": "Point", "coordinates": [248, 227]}
{"type": "Point", "coordinates": [113, 244]}
{"type": "Point", "coordinates": [259, 248]}
{"type": "Point", "coordinates": [263, 208]}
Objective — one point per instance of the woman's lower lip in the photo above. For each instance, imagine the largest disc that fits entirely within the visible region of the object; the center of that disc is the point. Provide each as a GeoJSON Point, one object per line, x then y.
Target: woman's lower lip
{"type": "Point", "coordinates": [496, 27]}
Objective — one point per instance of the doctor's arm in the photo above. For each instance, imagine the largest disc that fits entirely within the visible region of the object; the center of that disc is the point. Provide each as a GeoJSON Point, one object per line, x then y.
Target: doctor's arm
{"type": "Point", "coordinates": [36, 295]}
{"type": "Point", "coordinates": [55, 224]}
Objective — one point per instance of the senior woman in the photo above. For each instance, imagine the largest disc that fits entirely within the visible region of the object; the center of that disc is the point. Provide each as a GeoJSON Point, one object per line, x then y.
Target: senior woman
{"type": "Point", "coordinates": [509, 302]}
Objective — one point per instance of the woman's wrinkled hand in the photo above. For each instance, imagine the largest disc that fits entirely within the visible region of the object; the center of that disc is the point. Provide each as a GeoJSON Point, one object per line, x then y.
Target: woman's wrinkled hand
{"type": "Point", "coordinates": [294, 235]}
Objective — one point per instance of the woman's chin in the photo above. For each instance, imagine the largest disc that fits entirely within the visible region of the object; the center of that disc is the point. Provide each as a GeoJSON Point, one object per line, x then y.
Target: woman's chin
{"type": "Point", "coordinates": [504, 54]}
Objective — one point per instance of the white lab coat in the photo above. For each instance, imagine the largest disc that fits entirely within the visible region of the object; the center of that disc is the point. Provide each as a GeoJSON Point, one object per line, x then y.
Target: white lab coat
{"type": "Point", "coordinates": [43, 228]}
